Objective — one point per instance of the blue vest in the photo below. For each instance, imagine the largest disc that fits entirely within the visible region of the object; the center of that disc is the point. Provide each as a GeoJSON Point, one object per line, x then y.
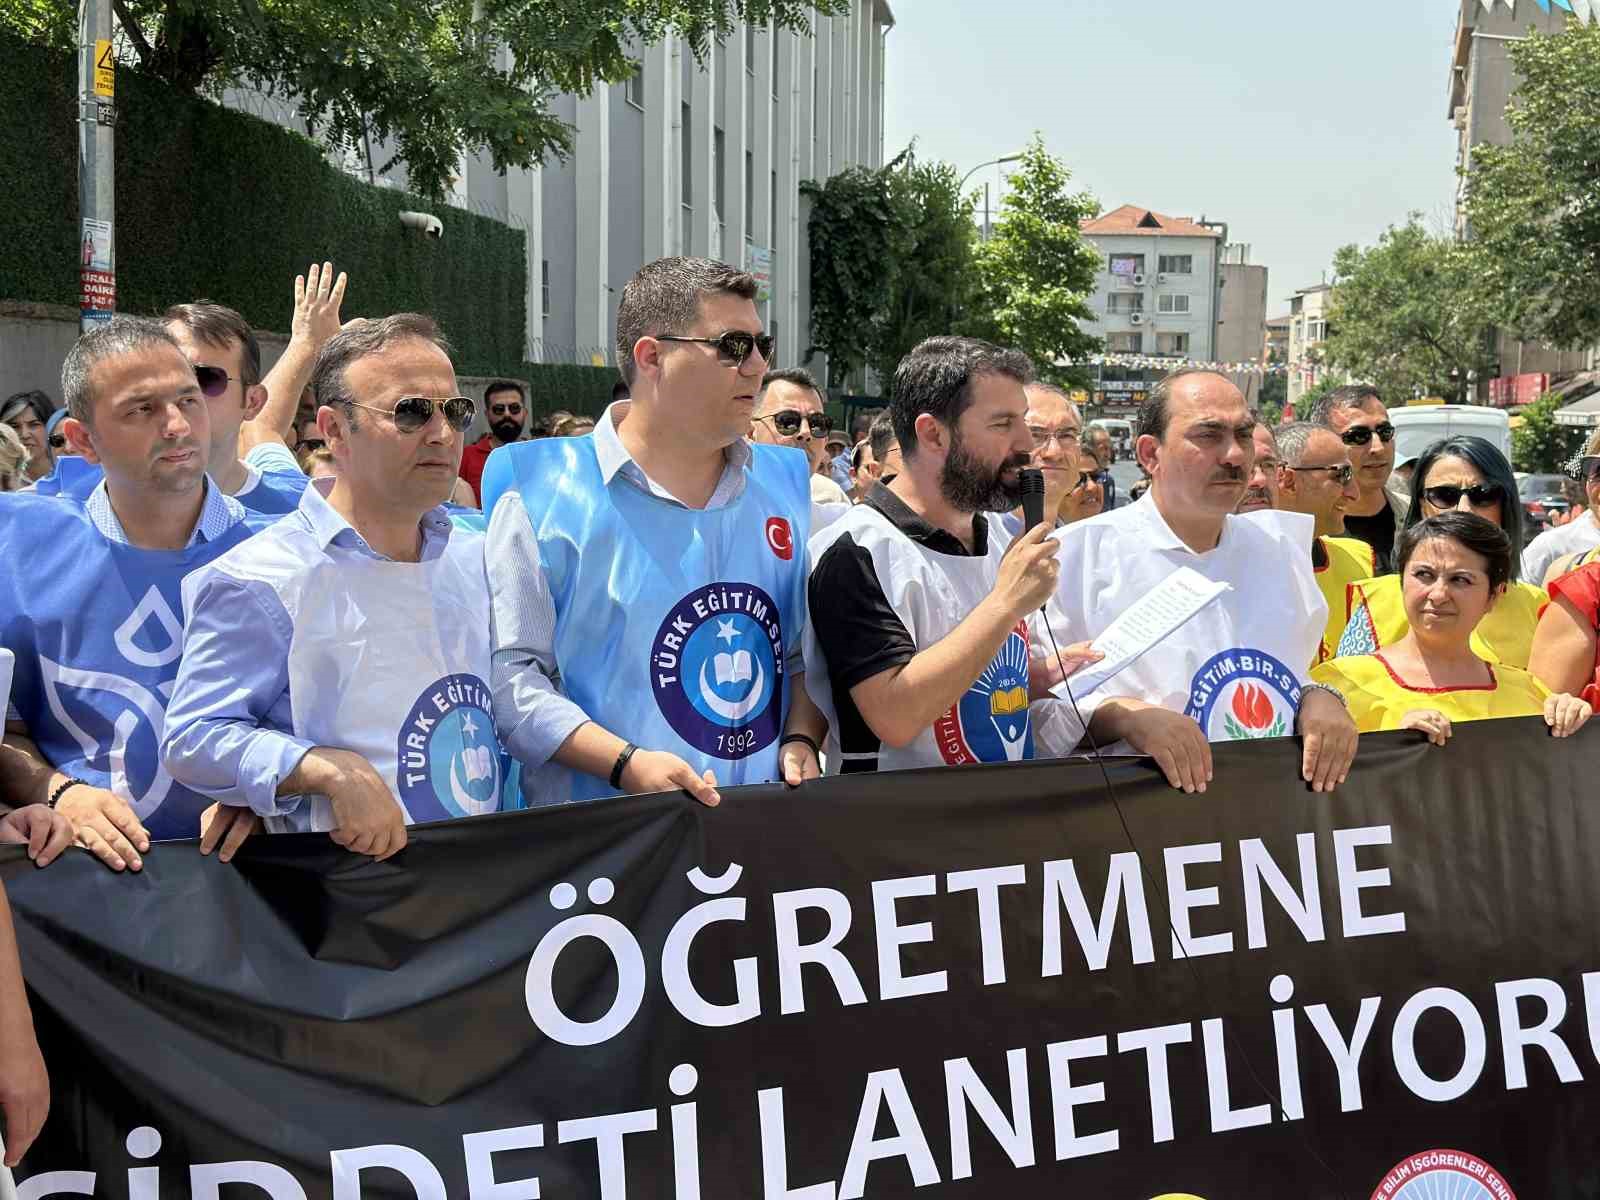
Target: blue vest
{"type": "Point", "coordinates": [97, 630]}
{"type": "Point", "coordinates": [672, 624]}
{"type": "Point", "coordinates": [276, 494]}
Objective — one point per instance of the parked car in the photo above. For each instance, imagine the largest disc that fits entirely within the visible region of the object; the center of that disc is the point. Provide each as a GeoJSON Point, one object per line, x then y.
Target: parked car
{"type": "Point", "coordinates": [1543, 498]}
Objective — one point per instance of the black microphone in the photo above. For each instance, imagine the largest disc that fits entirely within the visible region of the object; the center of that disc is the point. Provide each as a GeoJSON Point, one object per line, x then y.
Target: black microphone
{"type": "Point", "coordinates": [1032, 497]}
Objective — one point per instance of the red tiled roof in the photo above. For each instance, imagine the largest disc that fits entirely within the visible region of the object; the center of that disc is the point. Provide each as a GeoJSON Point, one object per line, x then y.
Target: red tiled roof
{"type": "Point", "coordinates": [1130, 219]}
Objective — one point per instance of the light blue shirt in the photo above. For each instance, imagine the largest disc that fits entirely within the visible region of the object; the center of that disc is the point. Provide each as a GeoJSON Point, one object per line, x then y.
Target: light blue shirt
{"type": "Point", "coordinates": [218, 514]}
{"type": "Point", "coordinates": [229, 726]}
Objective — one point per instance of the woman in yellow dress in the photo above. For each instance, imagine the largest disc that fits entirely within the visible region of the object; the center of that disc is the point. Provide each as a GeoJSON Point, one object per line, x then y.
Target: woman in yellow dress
{"type": "Point", "coordinates": [1453, 570]}
{"type": "Point", "coordinates": [1465, 474]}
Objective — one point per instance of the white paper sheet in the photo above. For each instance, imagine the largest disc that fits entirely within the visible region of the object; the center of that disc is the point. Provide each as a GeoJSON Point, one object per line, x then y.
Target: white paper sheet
{"type": "Point", "coordinates": [1146, 624]}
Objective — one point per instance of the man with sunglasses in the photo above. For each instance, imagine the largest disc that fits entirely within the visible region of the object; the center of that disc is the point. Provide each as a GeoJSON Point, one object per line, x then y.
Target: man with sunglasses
{"type": "Point", "coordinates": [1357, 414]}
{"type": "Point", "coordinates": [649, 580]}
{"type": "Point", "coordinates": [54, 438]}
{"type": "Point", "coordinates": [1316, 478]}
{"type": "Point", "coordinates": [790, 412]}
{"type": "Point", "coordinates": [335, 675]}
{"type": "Point", "coordinates": [226, 356]}
{"type": "Point", "coordinates": [506, 405]}
{"type": "Point", "coordinates": [94, 623]}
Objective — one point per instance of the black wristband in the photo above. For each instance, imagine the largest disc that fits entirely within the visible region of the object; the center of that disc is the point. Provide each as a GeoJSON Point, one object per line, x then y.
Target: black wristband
{"type": "Point", "coordinates": [621, 764]}
{"type": "Point", "coordinates": [61, 790]}
{"type": "Point", "coordinates": [801, 737]}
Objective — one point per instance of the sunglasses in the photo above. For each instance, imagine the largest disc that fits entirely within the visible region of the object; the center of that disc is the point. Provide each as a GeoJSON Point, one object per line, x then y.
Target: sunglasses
{"type": "Point", "coordinates": [1341, 474]}
{"type": "Point", "coordinates": [411, 413]}
{"type": "Point", "coordinates": [733, 347]}
{"type": "Point", "coordinates": [1448, 495]}
{"type": "Point", "coordinates": [1588, 467]}
{"type": "Point", "coordinates": [213, 380]}
{"type": "Point", "coordinates": [1084, 479]}
{"type": "Point", "coordinates": [57, 442]}
{"type": "Point", "coordinates": [788, 421]}
{"type": "Point", "coordinates": [505, 410]}
{"type": "Point", "coordinates": [1361, 435]}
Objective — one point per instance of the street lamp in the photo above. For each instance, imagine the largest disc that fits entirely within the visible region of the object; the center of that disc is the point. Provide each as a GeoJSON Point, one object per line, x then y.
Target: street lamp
{"type": "Point", "coordinates": [993, 162]}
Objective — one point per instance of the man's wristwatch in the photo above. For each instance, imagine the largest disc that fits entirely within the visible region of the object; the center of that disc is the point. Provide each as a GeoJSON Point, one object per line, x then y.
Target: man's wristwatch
{"type": "Point", "coordinates": [61, 788]}
{"type": "Point", "coordinates": [1323, 687]}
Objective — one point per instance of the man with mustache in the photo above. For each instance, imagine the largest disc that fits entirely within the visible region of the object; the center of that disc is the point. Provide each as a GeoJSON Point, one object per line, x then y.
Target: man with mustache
{"type": "Point", "coordinates": [506, 406]}
{"type": "Point", "coordinates": [335, 673]}
{"type": "Point", "coordinates": [921, 606]}
{"type": "Point", "coordinates": [1237, 668]}
{"type": "Point", "coordinates": [94, 622]}
{"type": "Point", "coordinates": [1054, 425]}
{"type": "Point", "coordinates": [1262, 491]}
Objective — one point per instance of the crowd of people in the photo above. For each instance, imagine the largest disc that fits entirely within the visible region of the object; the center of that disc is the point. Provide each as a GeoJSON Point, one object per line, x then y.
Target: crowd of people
{"type": "Point", "coordinates": [300, 600]}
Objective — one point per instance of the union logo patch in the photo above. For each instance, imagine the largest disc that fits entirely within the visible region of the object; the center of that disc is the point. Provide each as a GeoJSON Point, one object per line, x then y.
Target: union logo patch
{"type": "Point", "coordinates": [448, 761]}
{"type": "Point", "coordinates": [1432, 1174]}
{"type": "Point", "coordinates": [1242, 694]}
{"type": "Point", "coordinates": [990, 721]}
{"type": "Point", "coordinates": [716, 668]}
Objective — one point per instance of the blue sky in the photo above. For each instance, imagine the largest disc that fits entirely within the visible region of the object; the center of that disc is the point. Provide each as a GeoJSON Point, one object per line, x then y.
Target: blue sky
{"type": "Point", "coordinates": [1305, 124]}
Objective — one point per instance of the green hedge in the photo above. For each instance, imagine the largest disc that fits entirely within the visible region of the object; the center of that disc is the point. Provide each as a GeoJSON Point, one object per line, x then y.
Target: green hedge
{"type": "Point", "coordinates": [216, 203]}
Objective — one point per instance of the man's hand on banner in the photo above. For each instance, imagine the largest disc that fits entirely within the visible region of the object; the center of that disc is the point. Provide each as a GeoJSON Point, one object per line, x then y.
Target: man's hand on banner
{"type": "Point", "coordinates": [1174, 740]}
{"type": "Point", "coordinates": [104, 825]}
{"type": "Point", "coordinates": [41, 828]}
{"type": "Point", "coordinates": [228, 824]}
{"type": "Point", "coordinates": [366, 819]}
{"type": "Point", "coordinates": [658, 771]}
{"type": "Point", "coordinates": [24, 1085]}
{"type": "Point", "coordinates": [1330, 740]}
{"type": "Point", "coordinates": [797, 763]}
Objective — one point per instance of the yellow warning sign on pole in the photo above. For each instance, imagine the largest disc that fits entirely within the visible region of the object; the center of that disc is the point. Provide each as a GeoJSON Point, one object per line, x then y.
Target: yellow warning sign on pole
{"type": "Point", "coordinates": [105, 68]}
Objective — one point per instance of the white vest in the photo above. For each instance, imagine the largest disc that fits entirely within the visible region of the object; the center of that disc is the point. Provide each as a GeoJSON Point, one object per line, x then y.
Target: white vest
{"type": "Point", "coordinates": [389, 660]}
{"type": "Point", "coordinates": [1237, 666]}
{"type": "Point", "coordinates": [932, 593]}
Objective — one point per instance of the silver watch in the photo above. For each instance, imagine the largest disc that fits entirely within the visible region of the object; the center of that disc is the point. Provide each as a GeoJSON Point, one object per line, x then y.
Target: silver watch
{"type": "Point", "coordinates": [1323, 687]}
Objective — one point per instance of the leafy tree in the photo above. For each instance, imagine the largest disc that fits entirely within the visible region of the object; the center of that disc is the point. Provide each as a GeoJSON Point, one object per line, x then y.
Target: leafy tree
{"type": "Point", "coordinates": [1036, 272]}
{"type": "Point", "coordinates": [891, 262]}
{"type": "Point", "coordinates": [1406, 313]}
{"type": "Point", "coordinates": [1533, 207]}
{"type": "Point", "coordinates": [425, 75]}
{"type": "Point", "coordinates": [1538, 444]}
{"type": "Point", "coordinates": [1274, 395]}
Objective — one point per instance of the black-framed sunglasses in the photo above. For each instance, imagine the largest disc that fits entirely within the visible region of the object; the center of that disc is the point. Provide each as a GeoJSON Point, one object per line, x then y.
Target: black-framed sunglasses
{"type": "Point", "coordinates": [787, 421]}
{"type": "Point", "coordinates": [505, 410]}
{"type": "Point", "coordinates": [1084, 479]}
{"type": "Point", "coordinates": [733, 346]}
{"type": "Point", "coordinates": [1361, 435]}
{"type": "Point", "coordinates": [213, 380]}
{"type": "Point", "coordinates": [57, 442]}
{"type": "Point", "coordinates": [1341, 474]}
{"type": "Point", "coordinates": [411, 413]}
{"type": "Point", "coordinates": [1588, 468]}
{"type": "Point", "coordinates": [1448, 495]}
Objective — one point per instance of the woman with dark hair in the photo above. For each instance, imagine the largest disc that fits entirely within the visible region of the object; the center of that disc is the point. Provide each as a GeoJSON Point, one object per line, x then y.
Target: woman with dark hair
{"type": "Point", "coordinates": [1453, 572]}
{"type": "Point", "coordinates": [27, 413]}
{"type": "Point", "coordinates": [1467, 475]}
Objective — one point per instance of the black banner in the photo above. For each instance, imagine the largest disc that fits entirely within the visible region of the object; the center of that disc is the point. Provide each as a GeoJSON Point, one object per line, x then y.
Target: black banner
{"type": "Point", "coordinates": [951, 983]}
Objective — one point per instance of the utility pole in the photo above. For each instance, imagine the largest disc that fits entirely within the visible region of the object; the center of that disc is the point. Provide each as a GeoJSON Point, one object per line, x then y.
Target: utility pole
{"type": "Point", "coordinates": [97, 120]}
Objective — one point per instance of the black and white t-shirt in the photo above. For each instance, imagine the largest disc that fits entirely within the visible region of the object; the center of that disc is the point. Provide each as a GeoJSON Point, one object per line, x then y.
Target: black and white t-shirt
{"type": "Point", "coordinates": [884, 585]}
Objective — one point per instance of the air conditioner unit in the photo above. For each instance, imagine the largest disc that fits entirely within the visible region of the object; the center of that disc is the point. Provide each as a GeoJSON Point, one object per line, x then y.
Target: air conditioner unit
{"type": "Point", "coordinates": [1136, 318]}
{"type": "Point", "coordinates": [1138, 281]}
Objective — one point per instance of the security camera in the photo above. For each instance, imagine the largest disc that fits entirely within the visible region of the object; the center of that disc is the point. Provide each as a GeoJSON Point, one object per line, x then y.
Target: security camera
{"type": "Point", "coordinates": [424, 223]}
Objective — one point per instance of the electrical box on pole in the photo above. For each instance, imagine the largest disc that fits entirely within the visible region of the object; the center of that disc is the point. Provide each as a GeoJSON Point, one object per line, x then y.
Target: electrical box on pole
{"type": "Point", "coordinates": [97, 121]}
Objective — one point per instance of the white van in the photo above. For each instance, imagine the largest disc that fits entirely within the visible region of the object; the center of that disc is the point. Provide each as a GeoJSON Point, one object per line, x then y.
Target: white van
{"type": "Point", "coordinates": [1416, 427]}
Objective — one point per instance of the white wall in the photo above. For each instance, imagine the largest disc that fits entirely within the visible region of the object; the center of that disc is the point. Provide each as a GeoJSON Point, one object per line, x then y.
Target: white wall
{"type": "Point", "coordinates": [1199, 322]}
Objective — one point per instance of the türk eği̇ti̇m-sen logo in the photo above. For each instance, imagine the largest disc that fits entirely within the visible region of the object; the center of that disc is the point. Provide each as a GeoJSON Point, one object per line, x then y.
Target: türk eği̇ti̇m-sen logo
{"type": "Point", "coordinates": [716, 668]}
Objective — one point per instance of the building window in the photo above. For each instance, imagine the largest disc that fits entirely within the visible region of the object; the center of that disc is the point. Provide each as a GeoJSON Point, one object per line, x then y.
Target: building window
{"type": "Point", "coordinates": [635, 87]}
{"type": "Point", "coordinates": [750, 49]}
{"type": "Point", "coordinates": [1125, 343]}
{"type": "Point", "coordinates": [688, 158]}
{"type": "Point", "coordinates": [1125, 302]}
{"type": "Point", "coordinates": [1172, 304]}
{"type": "Point", "coordinates": [1172, 343]}
{"type": "Point", "coordinates": [1315, 331]}
{"type": "Point", "coordinates": [749, 194]}
{"type": "Point", "coordinates": [544, 287]}
{"type": "Point", "coordinates": [1177, 264]}
{"type": "Point", "coordinates": [1127, 265]}
{"type": "Point", "coordinates": [719, 190]}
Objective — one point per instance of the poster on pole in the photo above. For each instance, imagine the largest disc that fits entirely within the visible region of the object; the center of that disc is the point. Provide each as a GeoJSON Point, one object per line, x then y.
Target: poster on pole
{"type": "Point", "coordinates": [759, 264]}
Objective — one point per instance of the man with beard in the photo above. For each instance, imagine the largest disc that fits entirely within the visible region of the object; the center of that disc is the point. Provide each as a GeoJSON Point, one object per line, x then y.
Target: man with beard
{"type": "Point", "coordinates": [1236, 669]}
{"type": "Point", "coordinates": [918, 645]}
{"type": "Point", "coordinates": [1262, 491]}
{"type": "Point", "coordinates": [507, 407]}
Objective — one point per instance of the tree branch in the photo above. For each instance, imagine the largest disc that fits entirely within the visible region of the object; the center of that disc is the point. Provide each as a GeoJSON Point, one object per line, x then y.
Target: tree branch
{"type": "Point", "coordinates": [130, 26]}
